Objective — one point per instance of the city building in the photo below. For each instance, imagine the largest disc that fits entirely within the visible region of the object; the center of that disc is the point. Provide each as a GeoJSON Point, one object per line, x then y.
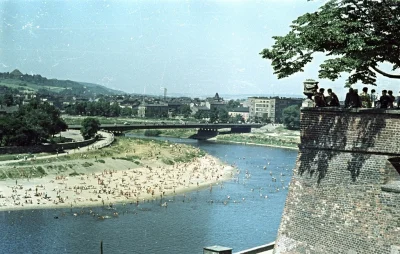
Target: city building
{"type": "Point", "coordinates": [270, 108]}
{"type": "Point", "coordinates": [153, 110]}
{"type": "Point", "coordinates": [241, 111]}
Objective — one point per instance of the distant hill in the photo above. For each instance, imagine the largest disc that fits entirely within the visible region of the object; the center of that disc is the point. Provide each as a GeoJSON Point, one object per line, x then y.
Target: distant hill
{"type": "Point", "coordinates": [26, 83]}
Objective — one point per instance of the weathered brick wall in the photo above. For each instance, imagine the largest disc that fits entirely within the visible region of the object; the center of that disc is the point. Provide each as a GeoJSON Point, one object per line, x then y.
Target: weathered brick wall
{"type": "Point", "coordinates": [344, 196]}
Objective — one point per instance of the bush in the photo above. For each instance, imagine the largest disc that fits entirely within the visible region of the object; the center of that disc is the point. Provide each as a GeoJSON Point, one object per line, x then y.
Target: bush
{"type": "Point", "coordinates": [74, 174]}
{"type": "Point", "coordinates": [167, 161]}
{"type": "Point", "coordinates": [101, 161]}
{"type": "Point", "coordinates": [87, 164]}
{"type": "Point", "coordinates": [41, 170]}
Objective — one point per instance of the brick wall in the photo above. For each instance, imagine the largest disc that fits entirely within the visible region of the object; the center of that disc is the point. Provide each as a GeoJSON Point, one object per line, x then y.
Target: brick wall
{"type": "Point", "coordinates": [344, 196]}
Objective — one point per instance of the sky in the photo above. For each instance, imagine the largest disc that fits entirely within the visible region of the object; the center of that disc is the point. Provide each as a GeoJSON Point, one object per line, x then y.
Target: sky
{"type": "Point", "coordinates": [194, 48]}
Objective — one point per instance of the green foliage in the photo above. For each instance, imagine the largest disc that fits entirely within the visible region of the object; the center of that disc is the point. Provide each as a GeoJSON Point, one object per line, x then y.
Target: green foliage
{"type": "Point", "coordinates": [356, 36]}
{"type": "Point", "coordinates": [179, 133]}
{"type": "Point", "coordinates": [232, 104]}
{"type": "Point", "coordinates": [32, 124]}
{"type": "Point", "coordinates": [41, 170]}
{"type": "Point", "coordinates": [223, 115]}
{"type": "Point", "coordinates": [186, 111]}
{"type": "Point", "coordinates": [7, 99]}
{"type": "Point", "coordinates": [74, 174]}
{"type": "Point", "coordinates": [126, 111]}
{"type": "Point", "coordinates": [201, 114]}
{"type": "Point", "coordinates": [220, 115]}
{"type": "Point", "coordinates": [236, 119]}
{"type": "Point", "coordinates": [3, 175]}
{"type": "Point", "coordinates": [90, 126]}
{"type": "Point", "coordinates": [214, 115]}
{"type": "Point", "coordinates": [58, 139]}
{"type": "Point", "coordinates": [261, 140]}
{"type": "Point", "coordinates": [41, 85]}
{"type": "Point", "coordinates": [130, 158]}
{"type": "Point", "coordinates": [152, 133]}
{"type": "Point", "coordinates": [291, 117]}
{"type": "Point", "coordinates": [189, 156]}
{"type": "Point", "coordinates": [101, 161]}
{"type": "Point", "coordinates": [167, 161]}
{"type": "Point", "coordinates": [87, 164]}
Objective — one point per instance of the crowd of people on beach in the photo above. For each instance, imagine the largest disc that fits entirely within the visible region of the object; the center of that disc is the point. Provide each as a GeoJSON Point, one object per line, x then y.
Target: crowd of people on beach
{"type": "Point", "coordinates": [355, 100]}
{"type": "Point", "coordinates": [132, 185]}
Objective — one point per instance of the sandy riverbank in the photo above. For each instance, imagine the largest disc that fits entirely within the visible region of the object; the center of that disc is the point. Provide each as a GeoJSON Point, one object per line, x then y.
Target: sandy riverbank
{"type": "Point", "coordinates": [130, 170]}
{"type": "Point", "coordinates": [108, 185]}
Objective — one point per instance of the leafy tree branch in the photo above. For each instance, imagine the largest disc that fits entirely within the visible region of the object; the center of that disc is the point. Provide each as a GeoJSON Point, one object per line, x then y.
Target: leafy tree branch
{"type": "Point", "coordinates": [355, 35]}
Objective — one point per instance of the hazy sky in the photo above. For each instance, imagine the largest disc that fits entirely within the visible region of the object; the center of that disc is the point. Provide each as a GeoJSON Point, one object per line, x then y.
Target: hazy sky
{"type": "Point", "coordinates": [195, 47]}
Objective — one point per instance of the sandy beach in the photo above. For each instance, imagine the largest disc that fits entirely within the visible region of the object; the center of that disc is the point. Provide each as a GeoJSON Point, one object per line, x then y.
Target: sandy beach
{"type": "Point", "coordinates": [115, 181]}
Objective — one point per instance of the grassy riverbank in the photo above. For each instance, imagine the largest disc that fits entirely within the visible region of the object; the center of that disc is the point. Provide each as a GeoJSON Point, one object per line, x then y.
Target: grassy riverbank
{"type": "Point", "coordinates": [269, 135]}
{"type": "Point", "coordinates": [174, 133]}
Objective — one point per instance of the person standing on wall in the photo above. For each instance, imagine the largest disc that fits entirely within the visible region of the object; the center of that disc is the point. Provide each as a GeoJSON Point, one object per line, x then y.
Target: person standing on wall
{"type": "Point", "coordinates": [332, 99]}
{"type": "Point", "coordinates": [374, 98]}
{"type": "Point", "coordinates": [392, 99]}
{"type": "Point", "coordinates": [365, 98]}
{"type": "Point", "coordinates": [352, 99]}
{"type": "Point", "coordinates": [398, 101]}
{"type": "Point", "coordinates": [319, 98]}
{"type": "Point", "coordinates": [384, 100]}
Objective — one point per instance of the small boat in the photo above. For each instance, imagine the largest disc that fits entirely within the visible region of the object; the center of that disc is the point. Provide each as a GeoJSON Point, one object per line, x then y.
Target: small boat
{"type": "Point", "coordinates": [165, 204]}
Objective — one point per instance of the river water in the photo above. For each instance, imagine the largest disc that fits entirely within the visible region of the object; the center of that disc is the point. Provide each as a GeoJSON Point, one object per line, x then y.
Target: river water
{"type": "Point", "coordinates": [249, 217]}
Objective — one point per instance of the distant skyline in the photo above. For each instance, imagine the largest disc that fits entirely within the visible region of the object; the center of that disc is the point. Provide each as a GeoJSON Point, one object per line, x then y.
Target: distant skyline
{"type": "Point", "coordinates": [189, 47]}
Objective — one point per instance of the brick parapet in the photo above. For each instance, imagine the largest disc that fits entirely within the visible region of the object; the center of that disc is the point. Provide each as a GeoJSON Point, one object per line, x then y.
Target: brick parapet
{"type": "Point", "coordinates": [343, 196]}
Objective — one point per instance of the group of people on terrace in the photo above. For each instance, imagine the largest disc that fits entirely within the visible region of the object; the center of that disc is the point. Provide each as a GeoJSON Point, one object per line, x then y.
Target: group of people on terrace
{"type": "Point", "coordinates": [355, 100]}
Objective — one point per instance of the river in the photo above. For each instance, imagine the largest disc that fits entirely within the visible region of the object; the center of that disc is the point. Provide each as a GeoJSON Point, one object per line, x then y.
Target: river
{"type": "Point", "coordinates": [240, 213]}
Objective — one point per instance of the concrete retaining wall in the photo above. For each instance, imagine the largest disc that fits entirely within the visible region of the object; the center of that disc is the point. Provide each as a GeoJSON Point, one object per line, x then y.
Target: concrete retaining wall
{"type": "Point", "coordinates": [47, 148]}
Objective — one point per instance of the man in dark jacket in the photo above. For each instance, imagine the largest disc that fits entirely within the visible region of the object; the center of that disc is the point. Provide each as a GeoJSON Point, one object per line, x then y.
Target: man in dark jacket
{"type": "Point", "coordinates": [352, 99]}
{"type": "Point", "coordinates": [319, 98]}
{"type": "Point", "coordinates": [384, 99]}
{"type": "Point", "coordinates": [332, 100]}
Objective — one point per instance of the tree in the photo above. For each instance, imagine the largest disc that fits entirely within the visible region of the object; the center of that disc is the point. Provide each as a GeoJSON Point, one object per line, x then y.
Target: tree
{"type": "Point", "coordinates": [236, 119]}
{"type": "Point", "coordinates": [355, 35]}
{"type": "Point", "coordinates": [115, 110]}
{"type": "Point", "coordinates": [90, 126]}
{"type": "Point", "coordinates": [8, 99]}
{"type": "Point", "coordinates": [291, 117]}
{"type": "Point", "coordinates": [213, 115]}
{"type": "Point", "coordinates": [186, 111]}
{"type": "Point", "coordinates": [32, 124]}
{"type": "Point", "coordinates": [201, 114]}
{"type": "Point", "coordinates": [223, 115]}
{"type": "Point", "coordinates": [232, 104]}
{"type": "Point", "coordinates": [126, 111]}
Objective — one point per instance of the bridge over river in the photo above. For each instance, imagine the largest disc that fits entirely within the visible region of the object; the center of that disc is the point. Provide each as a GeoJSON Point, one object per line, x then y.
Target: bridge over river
{"type": "Point", "coordinates": [204, 130]}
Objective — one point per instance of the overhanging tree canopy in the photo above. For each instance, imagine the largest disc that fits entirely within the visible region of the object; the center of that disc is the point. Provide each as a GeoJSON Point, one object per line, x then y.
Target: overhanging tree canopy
{"type": "Point", "coordinates": [356, 35]}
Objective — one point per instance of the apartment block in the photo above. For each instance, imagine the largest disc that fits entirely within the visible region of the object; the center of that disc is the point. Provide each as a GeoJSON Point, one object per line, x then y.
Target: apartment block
{"type": "Point", "coordinates": [270, 107]}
